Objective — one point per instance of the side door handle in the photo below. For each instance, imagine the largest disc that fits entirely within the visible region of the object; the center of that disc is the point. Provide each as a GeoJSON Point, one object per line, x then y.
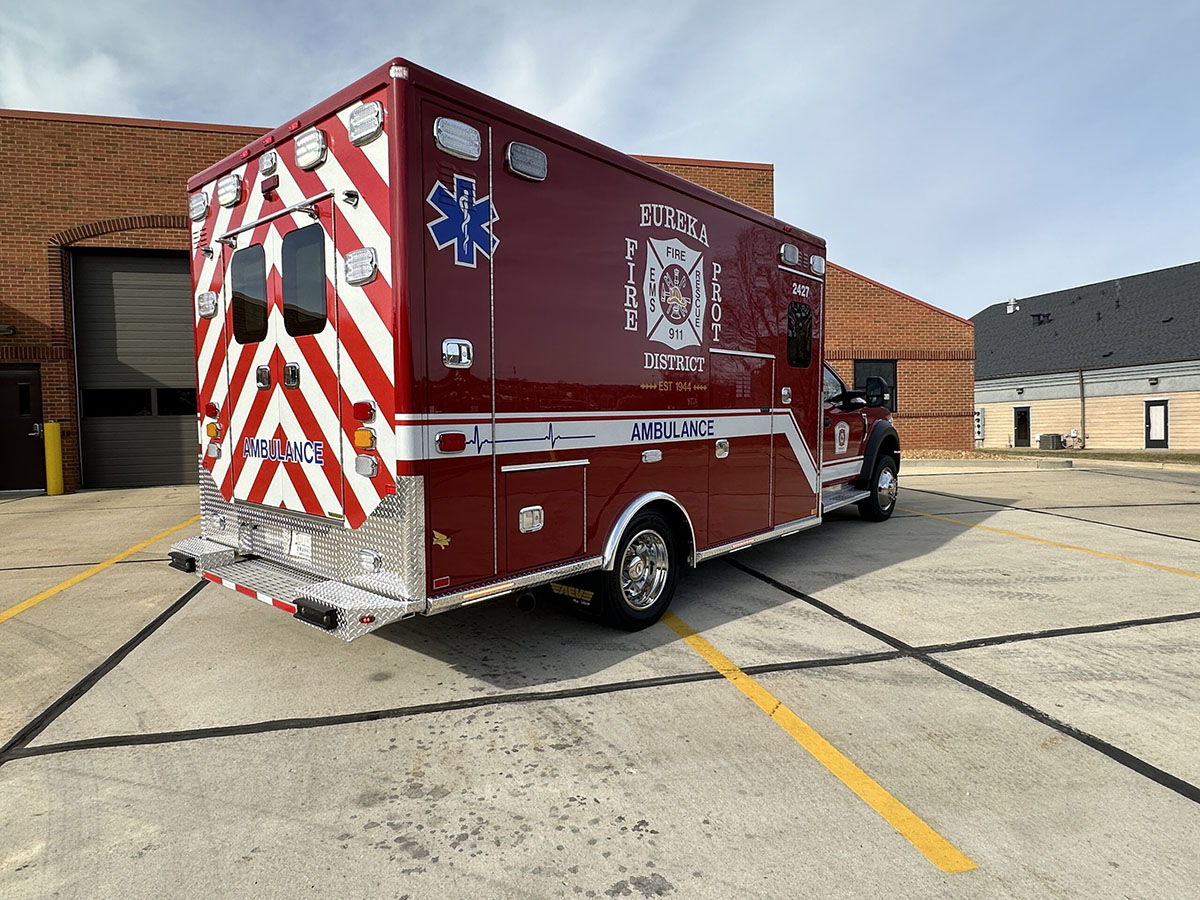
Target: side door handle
{"type": "Point", "coordinates": [37, 430]}
{"type": "Point", "coordinates": [262, 377]}
{"type": "Point", "coordinates": [722, 450]}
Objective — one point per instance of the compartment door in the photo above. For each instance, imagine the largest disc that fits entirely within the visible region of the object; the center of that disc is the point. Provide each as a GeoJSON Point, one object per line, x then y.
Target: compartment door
{"type": "Point", "coordinates": [739, 461]}
{"type": "Point", "coordinates": [457, 246]}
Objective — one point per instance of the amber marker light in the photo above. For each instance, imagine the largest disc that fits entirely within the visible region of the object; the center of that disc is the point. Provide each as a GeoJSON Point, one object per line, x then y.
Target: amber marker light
{"type": "Point", "coordinates": [364, 438]}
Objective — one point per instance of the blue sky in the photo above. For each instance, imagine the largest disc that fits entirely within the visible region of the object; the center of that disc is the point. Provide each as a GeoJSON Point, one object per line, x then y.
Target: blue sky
{"type": "Point", "coordinates": [961, 152]}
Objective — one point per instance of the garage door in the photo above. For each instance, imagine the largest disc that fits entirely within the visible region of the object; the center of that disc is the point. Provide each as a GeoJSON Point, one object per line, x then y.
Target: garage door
{"type": "Point", "coordinates": [133, 340]}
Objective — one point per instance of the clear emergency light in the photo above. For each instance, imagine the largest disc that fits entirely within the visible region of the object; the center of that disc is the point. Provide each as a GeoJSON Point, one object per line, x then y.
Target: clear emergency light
{"type": "Point", "coordinates": [362, 266]}
{"type": "Point", "coordinates": [366, 123]}
{"type": "Point", "coordinates": [198, 206]}
{"type": "Point", "coordinates": [457, 138]}
{"type": "Point", "coordinates": [789, 254]}
{"type": "Point", "coordinates": [310, 148]}
{"type": "Point", "coordinates": [818, 264]}
{"type": "Point", "coordinates": [525, 161]}
{"type": "Point", "coordinates": [267, 162]}
{"type": "Point", "coordinates": [206, 304]}
{"type": "Point", "coordinates": [229, 190]}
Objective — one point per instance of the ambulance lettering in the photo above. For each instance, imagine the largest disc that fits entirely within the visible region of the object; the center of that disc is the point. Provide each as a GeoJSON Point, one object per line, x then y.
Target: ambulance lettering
{"type": "Point", "coordinates": [672, 429]}
{"type": "Point", "coordinates": [677, 291]}
{"type": "Point", "coordinates": [277, 450]}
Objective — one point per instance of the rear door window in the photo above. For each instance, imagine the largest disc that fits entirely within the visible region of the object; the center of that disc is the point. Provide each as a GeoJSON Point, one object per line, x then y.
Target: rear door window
{"type": "Point", "coordinates": [302, 261]}
{"type": "Point", "coordinates": [248, 283]}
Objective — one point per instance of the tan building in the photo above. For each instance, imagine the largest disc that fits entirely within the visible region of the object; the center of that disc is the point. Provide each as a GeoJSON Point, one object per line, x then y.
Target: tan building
{"type": "Point", "coordinates": [1111, 366]}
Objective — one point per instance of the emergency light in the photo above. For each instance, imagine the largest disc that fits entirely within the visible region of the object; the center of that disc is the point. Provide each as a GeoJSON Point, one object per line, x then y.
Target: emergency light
{"type": "Point", "coordinates": [366, 123]}
{"type": "Point", "coordinates": [229, 190]}
{"type": "Point", "coordinates": [206, 304]}
{"type": "Point", "coordinates": [198, 206]}
{"type": "Point", "coordinates": [310, 148]}
{"type": "Point", "coordinates": [267, 162]}
{"type": "Point", "coordinates": [364, 439]}
{"type": "Point", "coordinates": [526, 161]}
{"type": "Point", "coordinates": [362, 266]}
{"type": "Point", "coordinates": [818, 264]}
{"type": "Point", "coordinates": [789, 254]}
{"type": "Point", "coordinates": [457, 138]}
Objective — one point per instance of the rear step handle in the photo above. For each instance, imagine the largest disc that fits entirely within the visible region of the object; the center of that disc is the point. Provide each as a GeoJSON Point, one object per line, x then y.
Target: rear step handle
{"type": "Point", "coordinates": [262, 377]}
{"type": "Point", "coordinates": [291, 376]}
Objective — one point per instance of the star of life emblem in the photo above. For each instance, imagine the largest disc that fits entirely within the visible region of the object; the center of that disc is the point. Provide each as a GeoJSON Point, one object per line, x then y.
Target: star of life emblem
{"type": "Point", "coordinates": [465, 222]}
{"type": "Point", "coordinates": [673, 291]}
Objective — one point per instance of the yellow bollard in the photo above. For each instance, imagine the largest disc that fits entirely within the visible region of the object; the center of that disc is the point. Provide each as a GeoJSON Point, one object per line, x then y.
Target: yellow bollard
{"type": "Point", "coordinates": [52, 435]}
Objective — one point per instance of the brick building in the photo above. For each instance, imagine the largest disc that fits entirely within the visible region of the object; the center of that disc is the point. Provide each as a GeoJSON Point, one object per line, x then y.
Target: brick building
{"type": "Point", "coordinates": [95, 301]}
{"type": "Point", "coordinates": [85, 191]}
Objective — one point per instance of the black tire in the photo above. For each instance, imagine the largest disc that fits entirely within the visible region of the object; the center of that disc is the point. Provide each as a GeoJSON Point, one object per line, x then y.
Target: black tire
{"type": "Point", "coordinates": [884, 485]}
{"type": "Point", "coordinates": [641, 584]}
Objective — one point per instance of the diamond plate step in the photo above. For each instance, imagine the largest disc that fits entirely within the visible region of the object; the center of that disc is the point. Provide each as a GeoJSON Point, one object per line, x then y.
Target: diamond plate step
{"type": "Point", "coordinates": [842, 495]}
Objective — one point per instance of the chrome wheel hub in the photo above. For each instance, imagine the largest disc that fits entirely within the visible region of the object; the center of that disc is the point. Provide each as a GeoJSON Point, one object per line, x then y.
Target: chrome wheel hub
{"type": "Point", "coordinates": [889, 488]}
{"type": "Point", "coordinates": [644, 568]}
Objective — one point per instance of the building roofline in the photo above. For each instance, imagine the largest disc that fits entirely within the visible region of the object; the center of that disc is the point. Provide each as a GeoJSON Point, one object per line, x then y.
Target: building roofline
{"type": "Point", "coordinates": [886, 287]}
{"type": "Point", "coordinates": [129, 122]}
{"type": "Point", "coordinates": [1084, 287]}
{"type": "Point", "coordinates": [710, 163]}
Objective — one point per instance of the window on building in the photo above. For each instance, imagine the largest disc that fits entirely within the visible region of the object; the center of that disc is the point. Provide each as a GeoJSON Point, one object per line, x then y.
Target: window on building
{"type": "Point", "coordinates": [176, 401]}
{"type": "Point", "coordinates": [104, 402]}
{"type": "Point", "coordinates": [303, 266]}
{"type": "Point", "coordinates": [248, 288]}
{"type": "Point", "coordinates": [799, 336]}
{"type": "Point", "coordinates": [881, 368]}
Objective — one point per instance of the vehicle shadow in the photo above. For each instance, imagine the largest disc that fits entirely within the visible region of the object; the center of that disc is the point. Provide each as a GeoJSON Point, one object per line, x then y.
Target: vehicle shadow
{"type": "Point", "coordinates": [510, 649]}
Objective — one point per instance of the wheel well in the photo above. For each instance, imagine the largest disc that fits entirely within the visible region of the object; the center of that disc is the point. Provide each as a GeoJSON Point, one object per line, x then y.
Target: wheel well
{"type": "Point", "coordinates": [891, 447]}
{"type": "Point", "coordinates": [681, 531]}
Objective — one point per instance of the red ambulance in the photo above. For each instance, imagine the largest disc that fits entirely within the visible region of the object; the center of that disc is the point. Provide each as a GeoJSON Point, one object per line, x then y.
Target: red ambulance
{"type": "Point", "coordinates": [447, 351]}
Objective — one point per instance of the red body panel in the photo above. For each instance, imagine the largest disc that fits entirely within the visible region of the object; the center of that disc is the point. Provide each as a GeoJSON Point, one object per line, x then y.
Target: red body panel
{"type": "Point", "coordinates": [618, 317]}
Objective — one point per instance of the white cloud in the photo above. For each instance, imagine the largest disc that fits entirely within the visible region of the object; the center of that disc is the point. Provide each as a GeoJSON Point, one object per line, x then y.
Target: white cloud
{"type": "Point", "coordinates": [962, 152]}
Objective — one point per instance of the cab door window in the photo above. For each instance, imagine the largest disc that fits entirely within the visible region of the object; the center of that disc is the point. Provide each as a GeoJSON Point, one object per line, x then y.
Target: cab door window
{"type": "Point", "coordinates": [302, 262]}
{"type": "Point", "coordinates": [832, 386]}
{"type": "Point", "coordinates": [248, 294]}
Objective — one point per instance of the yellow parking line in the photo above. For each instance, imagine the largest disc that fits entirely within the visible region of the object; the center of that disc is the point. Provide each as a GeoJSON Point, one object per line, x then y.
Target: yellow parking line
{"type": "Point", "coordinates": [936, 848]}
{"type": "Point", "coordinates": [88, 573]}
{"type": "Point", "coordinates": [1028, 537]}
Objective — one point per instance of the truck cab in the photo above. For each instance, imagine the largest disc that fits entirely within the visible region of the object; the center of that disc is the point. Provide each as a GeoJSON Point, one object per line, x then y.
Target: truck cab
{"type": "Point", "coordinates": [860, 450]}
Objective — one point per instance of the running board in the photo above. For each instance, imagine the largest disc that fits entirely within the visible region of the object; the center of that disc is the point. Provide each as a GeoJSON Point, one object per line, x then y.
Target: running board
{"type": "Point", "coordinates": [842, 495]}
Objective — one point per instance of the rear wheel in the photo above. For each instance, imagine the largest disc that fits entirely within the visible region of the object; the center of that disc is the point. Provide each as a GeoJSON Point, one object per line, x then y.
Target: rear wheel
{"type": "Point", "coordinates": [641, 584]}
{"type": "Point", "coordinates": [884, 489]}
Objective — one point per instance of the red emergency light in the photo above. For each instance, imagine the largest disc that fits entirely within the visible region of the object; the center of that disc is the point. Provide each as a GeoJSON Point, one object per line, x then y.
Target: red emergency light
{"type": "Point", "coordinates": [211, 410]}
{"type": "Point", "coordinates": [364, 410]}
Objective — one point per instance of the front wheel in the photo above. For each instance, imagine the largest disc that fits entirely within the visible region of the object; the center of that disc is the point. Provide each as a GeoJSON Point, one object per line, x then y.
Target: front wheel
{"type": "Point", "coordinates": [884, 489]}
{"type": "Point", "coordinates": [641, 584]}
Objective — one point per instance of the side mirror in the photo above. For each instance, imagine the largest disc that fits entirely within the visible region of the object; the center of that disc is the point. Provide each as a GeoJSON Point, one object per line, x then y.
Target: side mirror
{"type": "Point", "coordinates": [877, 391]}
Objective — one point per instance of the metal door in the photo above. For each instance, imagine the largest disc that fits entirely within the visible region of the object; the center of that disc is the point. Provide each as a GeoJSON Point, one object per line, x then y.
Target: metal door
{"type": "Point", "coordinates": [286, 435]}
{"type": "Point", "coordinates": [21, 445]}
{"type": "Point", "coordinates": [1021, 428]}
{"type": "Point", "coordinates": [739, 466]}
{"type": "Point", "coordinates": [1157, 437]}
{"type": "Point", "coordinates": [458, 244]}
